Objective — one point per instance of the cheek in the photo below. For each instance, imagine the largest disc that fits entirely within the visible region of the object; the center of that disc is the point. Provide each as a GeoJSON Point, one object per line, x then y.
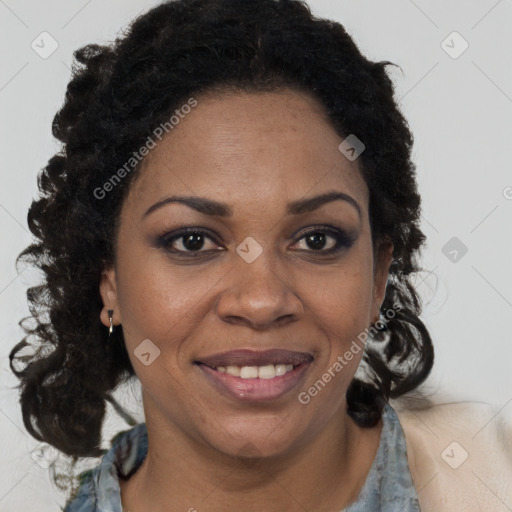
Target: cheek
{"type": "Point", "coordinates": [341, 306]}
{"type": "Point", "coordinates": [162, 302]}
{"type": "Point", "coordinates": [341, 312]}
{"type": "Point", "coordinates": [342, 300]}
{"type": "Point", "coordinates": [165, 305]}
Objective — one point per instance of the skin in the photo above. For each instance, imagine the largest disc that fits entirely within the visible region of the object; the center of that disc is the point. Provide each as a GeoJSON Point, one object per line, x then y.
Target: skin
{"type": "Point", "coordinates": [256, 152]}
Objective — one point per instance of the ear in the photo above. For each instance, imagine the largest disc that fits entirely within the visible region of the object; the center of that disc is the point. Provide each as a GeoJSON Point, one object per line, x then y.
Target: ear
{"type": "Point", "coordinates": [108, 292]}
{"type": "Point", "coordinates": [383, 259]}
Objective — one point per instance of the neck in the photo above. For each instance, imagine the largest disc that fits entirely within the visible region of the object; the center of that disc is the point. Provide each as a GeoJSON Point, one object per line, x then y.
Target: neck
{"type": "Point", "coordinates": [324, 475]}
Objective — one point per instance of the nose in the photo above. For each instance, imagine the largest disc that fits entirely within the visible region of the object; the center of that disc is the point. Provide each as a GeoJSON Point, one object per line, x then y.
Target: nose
{"type": "Point", "coordinates": [258, 296]}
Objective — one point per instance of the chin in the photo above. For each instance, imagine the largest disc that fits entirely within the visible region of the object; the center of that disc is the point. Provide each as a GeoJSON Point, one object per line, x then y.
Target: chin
{"type": "Point", "coordinates": [255, 440]}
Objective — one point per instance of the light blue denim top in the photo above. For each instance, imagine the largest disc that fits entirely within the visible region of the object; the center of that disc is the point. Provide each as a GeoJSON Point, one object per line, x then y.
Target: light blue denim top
{"type": "Point", "coordinates": [388, 486]}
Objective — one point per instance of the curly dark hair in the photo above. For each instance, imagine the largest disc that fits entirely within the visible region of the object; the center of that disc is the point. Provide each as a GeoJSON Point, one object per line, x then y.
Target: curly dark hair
{"type": "Point", "coordinates": [118, 94]}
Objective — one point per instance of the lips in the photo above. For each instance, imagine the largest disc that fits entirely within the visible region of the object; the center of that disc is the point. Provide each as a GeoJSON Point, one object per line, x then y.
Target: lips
{"type": "Point", "coordinates": [256, 358]}
{"type": "Point", "coordinates": [255, 376]}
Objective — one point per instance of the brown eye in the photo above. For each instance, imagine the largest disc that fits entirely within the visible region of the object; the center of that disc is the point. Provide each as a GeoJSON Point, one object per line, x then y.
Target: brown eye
{"type": "Point", "coordinates": [191, 240]}
{"type": "Point", "coordinates": [317, 240]}
{"type": "Point", "coordinates": [326, 240]}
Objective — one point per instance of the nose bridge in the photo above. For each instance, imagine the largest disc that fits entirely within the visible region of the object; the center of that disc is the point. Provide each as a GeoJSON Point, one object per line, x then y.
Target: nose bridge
{"type": "Point", "coordinates": [257, 293]}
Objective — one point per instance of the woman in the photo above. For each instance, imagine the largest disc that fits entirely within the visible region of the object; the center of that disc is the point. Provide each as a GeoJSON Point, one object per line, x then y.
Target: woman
{"type": "Point", "coordinates": [233, 220]}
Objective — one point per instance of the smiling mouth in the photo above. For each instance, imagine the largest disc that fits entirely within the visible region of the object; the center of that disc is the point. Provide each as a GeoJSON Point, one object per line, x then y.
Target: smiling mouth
{"type": "Point", "coordinates": [256, 376]}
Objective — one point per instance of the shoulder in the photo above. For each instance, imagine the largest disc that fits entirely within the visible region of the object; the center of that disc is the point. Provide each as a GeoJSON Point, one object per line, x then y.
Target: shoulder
{"type": "Point", "coordinates": [459, 454]}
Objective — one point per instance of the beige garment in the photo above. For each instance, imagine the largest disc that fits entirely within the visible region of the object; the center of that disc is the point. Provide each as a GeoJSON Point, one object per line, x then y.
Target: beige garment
{"type": "Point", "coordinates": [460, 455]}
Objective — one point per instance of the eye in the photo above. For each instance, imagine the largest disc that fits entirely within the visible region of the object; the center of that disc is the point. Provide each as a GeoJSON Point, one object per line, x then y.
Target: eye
{"type": "Point", "coordinates": [190, 240]}
{"type": "Point", "coordinates": [325, 240]}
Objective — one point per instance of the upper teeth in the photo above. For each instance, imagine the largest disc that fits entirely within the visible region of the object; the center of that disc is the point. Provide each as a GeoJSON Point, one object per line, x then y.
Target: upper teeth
{"type": "Point", "coordinates": [268, 371]}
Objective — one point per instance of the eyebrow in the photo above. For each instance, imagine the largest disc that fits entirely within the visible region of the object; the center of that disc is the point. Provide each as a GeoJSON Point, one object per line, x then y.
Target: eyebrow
{"type": "Point", "coordinates": [215, 208]}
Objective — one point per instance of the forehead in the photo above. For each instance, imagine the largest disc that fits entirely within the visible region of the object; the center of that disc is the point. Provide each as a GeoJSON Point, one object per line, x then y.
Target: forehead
{"type": "Point", "coordinates": [272, 146]}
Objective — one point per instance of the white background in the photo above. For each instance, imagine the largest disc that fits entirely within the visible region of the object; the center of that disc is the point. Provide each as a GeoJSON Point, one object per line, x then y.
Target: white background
{"type": "Point", "coordinates": [459, 111]}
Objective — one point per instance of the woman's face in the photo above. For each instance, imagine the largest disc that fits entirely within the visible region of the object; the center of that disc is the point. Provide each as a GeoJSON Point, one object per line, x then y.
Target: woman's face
{"type": "Point", "coordinates": [271, 281]}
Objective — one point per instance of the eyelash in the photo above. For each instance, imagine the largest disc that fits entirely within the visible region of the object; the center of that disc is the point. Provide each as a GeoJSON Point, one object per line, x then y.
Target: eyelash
{"type": "Point", "coordinates": [343, 241]}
